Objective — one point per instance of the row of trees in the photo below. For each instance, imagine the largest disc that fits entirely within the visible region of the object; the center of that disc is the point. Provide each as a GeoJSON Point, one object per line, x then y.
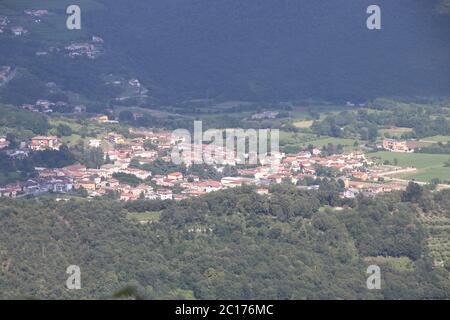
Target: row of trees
{"type": "Point", "coordinates": [425, 121]}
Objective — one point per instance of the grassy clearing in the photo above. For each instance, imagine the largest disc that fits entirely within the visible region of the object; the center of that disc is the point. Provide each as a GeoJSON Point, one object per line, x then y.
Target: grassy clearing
{"type": "Point", "coordinates": [94, 130]}
{"type": "Point", "coordinates": [292, 138]}
{"type": "Point", "coordinates": [426, 175]}
{"type": "Point", "coordinates": [429, 166]}
{"type": "Point", "coordinates": [303, 124]}
{"type": "Point", "coordinates": [304, 139]}
{"type": "Point", "coordinates": [73, 140]}
{"type": "Point", "coordinates": [436, 139]}
{"type": "Point", "coordinates": [395, 131]}
{"type": "Point", "coordinates": [54, 122]}
{"type": "Point", "coordinates": [400, 264]}
{"type": "Point", "coordinates": [144, 217]}
{"type": "Point", "coordinates": [417, 160]}
{"type": "Point", "coordinates": [319, 143]}
{"type": "Point", "coordinates": [300, 114]}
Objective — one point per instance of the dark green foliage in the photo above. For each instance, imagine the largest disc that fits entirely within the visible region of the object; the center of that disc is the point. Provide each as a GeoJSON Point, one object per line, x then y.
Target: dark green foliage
{"type": "Point", "coordinates": [437, 148]}
{"type": "Point", "coordinates": [161, 167]}
{"type": "Point", "coordinates": [93, 158]}
{"type": "Point", "coordinates": [64, 130]}
{"type": "Point", "coordinates": [233, 244]}
{"type": "Point", "coordinates": [12, 170]}
{"type": "Point", "coordinates": [16, 118]}
{"type": "Point", "coordinates": [53, 158]}
{"type": "Point", "coordinates": [127, 178]}
{"type": "Point", "coordinates": [425, 121]}
{"type": "Point", "coordinates": [413, 193]}
{"type": "Point", "coordinates": [126, 116]}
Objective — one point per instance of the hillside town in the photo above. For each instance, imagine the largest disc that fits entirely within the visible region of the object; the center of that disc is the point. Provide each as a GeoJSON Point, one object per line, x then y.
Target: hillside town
{"type": "Point", "coordinates": [125, 156]}
{"type": "Point", "coordinates": [90, 49]}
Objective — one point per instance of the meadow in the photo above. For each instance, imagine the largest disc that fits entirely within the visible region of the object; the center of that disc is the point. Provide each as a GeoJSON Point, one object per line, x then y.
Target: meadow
{"type": "Point", "coordinates": [144, 217]}
{"type": "Point", "coordinates": [394, 131]}
{"type": "Point", "coordinates": [429, 166]}
{"type": "Point", "coordinates": [436, 139]}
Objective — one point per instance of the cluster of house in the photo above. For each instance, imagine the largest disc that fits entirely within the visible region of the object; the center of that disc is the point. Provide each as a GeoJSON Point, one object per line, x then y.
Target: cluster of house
{"type": "Point", "coordinates": [135, 89]}
{"type": "Point", "coordinates": [46, 106]}
{"type": "Point", "coordinates": [353, 168]}
{"type": "Point", "coordinates": [18, 31]}
{"type": "Point", "coordinates": [105, 119]}
{"type": "Point", "coordinates": [4, 21]}
{"type": "Point", "coordinates": [134, 83]}
{"type": "Point", "coordinates": [37, 186]}
{"type": "Point", "coordinates": [42, 184]}
{"type": "Point", "coordinates": [4, 143]}
{"type": "Point", "coordinates": [394, 145]}
{"type": "Point", "coordinates": [265, 115]}
{"type": "Point", "coordinates": [41, 143]}
{"type": "Point", "coordinates": [38, 143]}
{"type": "Point", "coordinates": [36, 13]}
{"type": "Point", "coordinates": [15, 30]}
{"type": "Point", "coordinates": [91, 50]}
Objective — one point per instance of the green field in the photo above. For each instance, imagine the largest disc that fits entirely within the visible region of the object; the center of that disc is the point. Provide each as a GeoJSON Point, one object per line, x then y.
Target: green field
{"type": "Point", "coordinates": [303, 124]}
{"type": "Point", "coordinates": [290, 138]}
{"type": "Point", "coordinates": [443, 139]}
{"type": "Point", "coordinates": [304, 139]}
{"type": "Point", "coordinates": [90, 131]}
{"type": "Point", "coordinates": [394, 132]}
{"type": "Point", "coordinates": [54, 122]}
{"type": "Point", "coordinates": [401, 264]}
{"type": "Point", "coordinates": [319, 143]}
{"type": "Point", "coordinates": [429, 165]}
{"type": "Point", "coordinates": [144, 217]}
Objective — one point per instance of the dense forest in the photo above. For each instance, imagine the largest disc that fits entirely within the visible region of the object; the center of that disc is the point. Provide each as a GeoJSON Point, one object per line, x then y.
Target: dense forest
{"type": "Point", "coordinates": [233, 244]}
{"type": "Point", "coordinates": [270, 50]}
{"type": "Point", "coordinates": [233, 50]}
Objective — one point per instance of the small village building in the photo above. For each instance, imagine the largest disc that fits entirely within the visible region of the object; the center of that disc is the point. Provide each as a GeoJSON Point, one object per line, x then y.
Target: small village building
{"type": "Point", "coordinates": [4, 143]}
{"type": "Point", "coordinates": [18, 31]}
{"type": "Point", "coordinates": [398, 145]}
{"type": "Point", "coordinates": [262, 191]}
{"type": "Point", "coordinates": [94, 143]}
{"type": "Point", "coordinates": [87, 184]}
{"type": "Point", "coordinates": [40, 143]}
{"type": "Point", "coordinates": [165, 194]}
{"type": "Point", "coordinates": [175, 176]}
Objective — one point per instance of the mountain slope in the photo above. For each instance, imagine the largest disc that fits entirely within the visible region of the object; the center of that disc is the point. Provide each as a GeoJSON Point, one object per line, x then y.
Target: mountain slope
{"type": "Point", "coordinates": [230, 49]}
